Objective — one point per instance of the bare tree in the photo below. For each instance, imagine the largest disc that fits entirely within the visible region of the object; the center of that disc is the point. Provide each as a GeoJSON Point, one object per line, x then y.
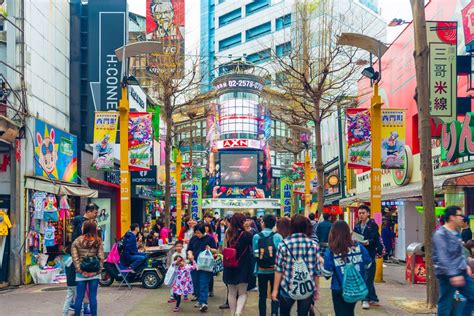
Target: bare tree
{"type": "Point", "coordinates": [421, 54]}
{"type": "Point", "coordinates": [315, 74]}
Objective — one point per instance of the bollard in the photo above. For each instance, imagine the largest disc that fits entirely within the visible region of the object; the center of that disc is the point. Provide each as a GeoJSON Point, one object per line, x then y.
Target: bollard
{"type": "Point", "coordinates": [379, 270]}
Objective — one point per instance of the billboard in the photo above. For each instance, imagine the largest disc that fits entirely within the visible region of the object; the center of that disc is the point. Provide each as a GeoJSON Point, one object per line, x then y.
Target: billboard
{"type": "Point", "coordinates": [105, 132]}
{"type": "Point", "coordinates": [359, 138]}
{"type": "Point", "coordinates": [140, 141]}
{"type": "Point", "coordinates": [468, 25]}
{"type": "Point", "coordinates": [165, 24]}
{"type": "Point", "coordinates": [239, 168]}
{"type": "Point", "coordinates": [55, 153]}
{"type": "Point", "coordinates": [108, 24]}
{"type": "Point", "coordinates": [442, 39]}
{"type": "Point", "coordinates": [393, 139]}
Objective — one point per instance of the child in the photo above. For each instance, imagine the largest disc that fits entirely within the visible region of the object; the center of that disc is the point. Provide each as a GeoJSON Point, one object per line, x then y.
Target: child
{"type": "Point", "coordinates": [177, 250]}
{"type": "Point", "coordinates": [71, 284]}
{"type": "Point", "coordinates": [182, 284]}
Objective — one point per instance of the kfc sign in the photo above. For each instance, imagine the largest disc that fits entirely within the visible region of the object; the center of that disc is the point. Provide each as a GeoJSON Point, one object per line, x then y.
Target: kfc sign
{"type": "Point", "coordinates": [468, 24]}
{"type": "Point", "coordinates": [238, 143]}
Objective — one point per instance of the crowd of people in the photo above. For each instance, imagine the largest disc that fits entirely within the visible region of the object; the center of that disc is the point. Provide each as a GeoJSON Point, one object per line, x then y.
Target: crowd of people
{"type": "Point", "coordinates": [282, 256]}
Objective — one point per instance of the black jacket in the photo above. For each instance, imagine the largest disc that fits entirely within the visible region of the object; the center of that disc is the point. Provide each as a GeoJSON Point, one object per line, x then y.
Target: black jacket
{"type": "Point", "coordinates": [370, 233]}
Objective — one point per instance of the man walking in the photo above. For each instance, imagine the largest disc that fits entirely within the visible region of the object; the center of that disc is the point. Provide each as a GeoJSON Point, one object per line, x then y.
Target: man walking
{"type": "Point", "coordinates": [322, 232]}
{"type": "Point", "coordinates": [450, 265]}
{"type": "Point", "coordinates": [265, 245]}
{"type": "Point", "coordinates": [370, 230]}
{"type": "Point", "coordinates": [314, 227]}
{"type": "Point", "coordinates": [466, 233]}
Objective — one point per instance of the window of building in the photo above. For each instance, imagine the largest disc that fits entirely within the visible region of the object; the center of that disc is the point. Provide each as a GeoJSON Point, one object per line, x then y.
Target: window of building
{"type": "Point", "coordinates": [229, 42]}
{"type": "Point", "coordinates": [230, 17]}
{"type": "Point", "coordinates": [255, 32]}
{"type": "Point", "coordinates": [256, 6]}
{"type": "Point", "coordinates": [259, 57]}
{"type": "Point", "coordinates": [283, 21]}
{"type": "Point", "coordinates": [283, 49]}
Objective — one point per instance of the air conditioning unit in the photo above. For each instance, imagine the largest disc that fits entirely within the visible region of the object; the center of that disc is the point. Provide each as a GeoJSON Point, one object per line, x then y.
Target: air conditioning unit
{"type": "Point", "coordinates": [9, 130]}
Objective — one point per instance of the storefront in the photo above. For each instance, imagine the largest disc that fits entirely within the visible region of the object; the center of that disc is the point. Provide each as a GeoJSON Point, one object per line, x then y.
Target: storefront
{"type": "Point", "coordinates": [255, 207]}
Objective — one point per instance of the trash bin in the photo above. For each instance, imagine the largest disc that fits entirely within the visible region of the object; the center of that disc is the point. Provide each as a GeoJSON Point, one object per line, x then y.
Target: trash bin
{"type": "Point", "coordinates": [415, 263]}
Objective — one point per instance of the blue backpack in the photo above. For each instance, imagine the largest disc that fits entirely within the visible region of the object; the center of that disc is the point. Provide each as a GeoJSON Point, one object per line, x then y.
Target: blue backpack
{"type": "Point", "coordinates": [354, 288]}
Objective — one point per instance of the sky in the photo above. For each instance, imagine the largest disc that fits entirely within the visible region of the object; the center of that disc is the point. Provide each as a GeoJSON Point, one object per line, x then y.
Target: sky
{"type": "Point", "coordinates": [390, 9]}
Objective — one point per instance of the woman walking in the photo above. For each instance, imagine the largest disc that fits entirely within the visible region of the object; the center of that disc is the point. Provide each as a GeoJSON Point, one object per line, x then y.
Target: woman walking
{"type": "Point", "coordinates": [238, 278]}
{"type": "Point", "coordinates": [341, 251]}
{"type": "Point", "coordinates": [87, 253]}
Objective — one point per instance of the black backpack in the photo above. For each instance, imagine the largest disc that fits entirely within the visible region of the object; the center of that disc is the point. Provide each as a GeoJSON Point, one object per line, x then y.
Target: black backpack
{"type": "Point", "coordinates": [266, 251]}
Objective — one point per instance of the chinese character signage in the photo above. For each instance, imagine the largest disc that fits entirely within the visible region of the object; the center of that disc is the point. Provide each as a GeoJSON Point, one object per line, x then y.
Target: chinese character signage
{"type": "Point", "coordinates": [140, 141]}
{"type": "Point", "coordinates": [442, 39]}
{"type": "Point", "coordinates": [393, 139]}
{"type": "Point", "coordinates": [286, 195]}
{"type": "Point", "coordinates": [55, 153]}
{"type": "Point", "coordinates": [105, 132]}
{"type": "Point", "coordinates": [468, 25]}
{"type": "Point", "coordinates": [359, 138]}
{"type": "Point", "coordinates": [457, 139]}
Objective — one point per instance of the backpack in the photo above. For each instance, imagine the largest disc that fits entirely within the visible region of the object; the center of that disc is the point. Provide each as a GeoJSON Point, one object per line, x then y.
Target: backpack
{"type": "Point", "coordinates": [205, 261]}
{"type": "Point", "coordinates": [230, 255]}
{"type": "Point", "coordinates": [354, 288]}
{"type": "Point", "coordinates": [301, 285]}
{"type": "Point", "coordinates": [266, 251]}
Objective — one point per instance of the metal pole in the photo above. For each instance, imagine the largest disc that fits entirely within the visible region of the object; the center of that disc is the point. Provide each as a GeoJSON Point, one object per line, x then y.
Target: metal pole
{"type": "Point", "coordinates": [125, 202]}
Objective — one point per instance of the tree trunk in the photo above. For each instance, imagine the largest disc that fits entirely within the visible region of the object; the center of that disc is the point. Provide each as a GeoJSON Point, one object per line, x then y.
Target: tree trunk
{"type": "Point", "coordinates": [319, 161]}
{"type": "Point", "coordinates": [168, 144]}
{"type": "Point", "coordinates": [421, 55]}
{"type": "Point", "coordinates": [295, 196]}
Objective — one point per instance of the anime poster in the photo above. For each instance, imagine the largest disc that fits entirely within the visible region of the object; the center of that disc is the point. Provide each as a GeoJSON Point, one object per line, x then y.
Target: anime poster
{"type": "Point", "coordinates": [359, 138]}
{"type": "Point", "coordinates": [393, 139]}
{"type": "Point", "coordinates": [140, 141]}
{"type": "Point", "coordinates": [103, 220]}
{"type": "Point", "coordinates": [105, 131]}
{"type": "Point", "coordinates": [55, 153]}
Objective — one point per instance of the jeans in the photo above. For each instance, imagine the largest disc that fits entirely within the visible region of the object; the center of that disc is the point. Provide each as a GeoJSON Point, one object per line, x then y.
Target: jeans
{"type": "Point", "coordinates": [93, 285]}
{"type": "Point", "coordinates": [446, 295]}
{"type": "Point", "coordinates": [70, 291]}
{"type": "Point", "coordinates": [286, 303]}
{"type": "Point", "coordinates": [136, 260]}
{"type": "Point", "coordinates": [263, 280]}
{"type": "Point", "coordinates": [371, 296]}
{"type": "Point", "coordinates": [201, 284]}
{"type": "Point", "coordinates": [342, 308]}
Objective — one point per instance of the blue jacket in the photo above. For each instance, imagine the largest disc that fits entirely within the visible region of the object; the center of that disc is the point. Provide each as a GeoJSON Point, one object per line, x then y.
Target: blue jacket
{"type": "Point", "coordinates": [322, 231]}
{"type": "Point", "coordinates": [130, 246]}
{"type": "Point", "coordinates": [448, 253]}
{"type": "Point", "coordinates": [277, 238]}
{"type": "Point", "coordinates": [358, 255]}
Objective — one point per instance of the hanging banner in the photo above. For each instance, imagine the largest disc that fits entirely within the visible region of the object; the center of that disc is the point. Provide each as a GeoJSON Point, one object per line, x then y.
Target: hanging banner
{"type": "Point", "coordinates": [359, 138]}
{"type": "Point", "coordinates": [140, 141]}
{"type": "Point", "coordinates": [468, 24]}
{"type": "Point", "coordinates": [103, 220]}
{"type": "Point", "coordinates": [105, 132]}
{"type": "Point", "coordinates": [196, 198]}
{"type": "Point", "coordinates": [286, 195]}
{"type": "Point", "coordinates": [393, 139]}
{"type": "Point", "coordinates": [442, 39]}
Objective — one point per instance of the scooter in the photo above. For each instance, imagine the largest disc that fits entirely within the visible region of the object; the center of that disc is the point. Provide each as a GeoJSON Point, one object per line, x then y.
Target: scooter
{"type": "Point", "coordinates": [151, 273]}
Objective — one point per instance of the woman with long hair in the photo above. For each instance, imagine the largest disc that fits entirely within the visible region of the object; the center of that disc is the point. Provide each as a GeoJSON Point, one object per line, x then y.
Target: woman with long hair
{"type": "Point", "coordinates": [342, 249]}
{"type": "Point", "coordinates": [284, 227]}
{"type": "Point", "coordinates": [237, 279]}
{"type": "Point", "coordinates": [187, 232]}
{"type": "Point", "coordinates": [87, 253]}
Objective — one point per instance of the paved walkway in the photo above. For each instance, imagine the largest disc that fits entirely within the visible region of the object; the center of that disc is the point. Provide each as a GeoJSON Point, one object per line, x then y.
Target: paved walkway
{"type": "Point", "coordinates": [48, 299]}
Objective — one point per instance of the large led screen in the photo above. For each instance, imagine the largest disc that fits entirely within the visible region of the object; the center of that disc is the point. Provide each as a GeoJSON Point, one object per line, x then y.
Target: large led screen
{"type": "Point", "coordinates": [239, 168]}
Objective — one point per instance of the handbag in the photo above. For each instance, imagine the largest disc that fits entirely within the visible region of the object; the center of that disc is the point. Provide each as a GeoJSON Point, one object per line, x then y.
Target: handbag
{"type": "Point", "coordinates": [230, 255]}
{"type": "Point", "coordinates": [90, 264]}
{"type": "Point", "coordinates": [218, 265]}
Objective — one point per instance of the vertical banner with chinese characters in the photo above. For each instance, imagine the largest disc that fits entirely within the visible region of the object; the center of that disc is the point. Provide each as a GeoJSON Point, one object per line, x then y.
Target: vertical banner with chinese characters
{"type": "Point", "coordinates": [140, 141]}
{"type": "Point", "coordinates": [442, 39]}
{"type": "Point", "coordinates": [359, 138]}
{"type": "Point", "coordinates": [105, 132]}
{"type": "Point", "coordinates": [286, 196]}
{"type": "Point", "coordinates": [393, 139]}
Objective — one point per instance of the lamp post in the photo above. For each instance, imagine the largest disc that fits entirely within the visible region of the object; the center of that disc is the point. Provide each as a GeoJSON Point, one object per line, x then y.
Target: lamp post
{"type": "Point", "coordinates": [377, 48]}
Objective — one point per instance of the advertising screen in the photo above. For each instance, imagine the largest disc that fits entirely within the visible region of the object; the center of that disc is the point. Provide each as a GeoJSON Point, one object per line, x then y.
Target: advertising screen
{"type": "Point", "coordinates": [239, 168]}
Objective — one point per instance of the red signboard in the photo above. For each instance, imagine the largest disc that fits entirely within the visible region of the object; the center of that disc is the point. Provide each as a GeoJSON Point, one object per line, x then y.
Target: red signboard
{"type": "Point", "coordinates": [468, 23]}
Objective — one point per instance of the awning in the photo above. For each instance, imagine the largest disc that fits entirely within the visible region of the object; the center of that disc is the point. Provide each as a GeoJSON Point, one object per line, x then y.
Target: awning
{"type": "Point", "coordinates": [410, 190]}
{"type": "Point", "coordinates": [58, 187]}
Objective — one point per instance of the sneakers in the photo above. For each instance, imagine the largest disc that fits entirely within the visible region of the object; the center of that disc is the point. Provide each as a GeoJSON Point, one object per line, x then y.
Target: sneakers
{"type": "Point", "coordinates": [176, 309]}
{"type": "Point", "coordinates": [224, 306]}
{"type": "Point", "coordinates": [365, 305]}
{"type": "Point", "coordinates": [197, 305]}
{"type": "Point", "coordinates": [194, 299]}
{"type": "Point", "coordinates": [374, 303]}
{"type": "Point", "coordinates": [211, 294]}
{"type": "Point", "coordinates": [203, 308]}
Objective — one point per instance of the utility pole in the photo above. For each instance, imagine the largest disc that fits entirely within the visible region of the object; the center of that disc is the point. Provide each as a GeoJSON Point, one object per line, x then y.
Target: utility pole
{"type": "Point", "coordinates": [421, 55]}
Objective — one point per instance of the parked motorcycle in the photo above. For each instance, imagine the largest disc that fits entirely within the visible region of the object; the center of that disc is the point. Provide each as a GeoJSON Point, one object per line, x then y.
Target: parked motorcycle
{"type": "Point", "coordinates": [151, 273]}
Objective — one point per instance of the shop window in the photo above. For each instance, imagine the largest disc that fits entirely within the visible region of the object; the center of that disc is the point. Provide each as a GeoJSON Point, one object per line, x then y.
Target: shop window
{"type": "Point", "coordinates": [283, 22]}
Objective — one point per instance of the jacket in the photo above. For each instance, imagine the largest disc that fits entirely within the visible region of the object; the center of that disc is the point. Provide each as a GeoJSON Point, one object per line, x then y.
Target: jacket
{"type": "Point", "coordinates": [130, 246]}
{"type": "Point", "coordinates": [314, 228]}
{"type": "Point", "coordinates": [77, 226]}
{"type": "Point", "coordinates": [78, 252]}
{"type": "Point", "coordinates": [370, 233]}
{"type": "Point", "coordinates": [322, 231]}
{"type": "Point", "coordinates": [448, 253]}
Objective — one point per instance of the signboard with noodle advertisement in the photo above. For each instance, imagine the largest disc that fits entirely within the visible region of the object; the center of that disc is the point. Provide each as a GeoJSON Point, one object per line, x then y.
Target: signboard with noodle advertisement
{"type": "Point", "coordinates": [359, 138]}
{"type": "Point", "coordinates": [140, 141]}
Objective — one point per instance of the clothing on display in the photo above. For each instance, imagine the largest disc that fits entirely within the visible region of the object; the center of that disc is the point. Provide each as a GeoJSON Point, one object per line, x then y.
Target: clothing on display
{"type": "Point", "coordinates": [51, 208]}
{"type": "Point", "coordinates": [64, 209]}
{"type": "Point", "coordinates": [49, 236]}
{"type": "Point", "coordinates": [5, 223]}
{"type": "Point", "coordinates": [38, 202]}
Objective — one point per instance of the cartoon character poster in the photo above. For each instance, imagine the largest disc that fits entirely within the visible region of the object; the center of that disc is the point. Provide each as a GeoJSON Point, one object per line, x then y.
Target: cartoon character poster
{"type": "Point", "coordinates": [140, 141]}
{"type": "Point", "coordinates": [105, 131]}
{"type": "Point", "coordinates": [55, 153]}
{"type": "Point", "coordinates": [359, 138]}
{"type": "Point", "coordinates": [393, 139]}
